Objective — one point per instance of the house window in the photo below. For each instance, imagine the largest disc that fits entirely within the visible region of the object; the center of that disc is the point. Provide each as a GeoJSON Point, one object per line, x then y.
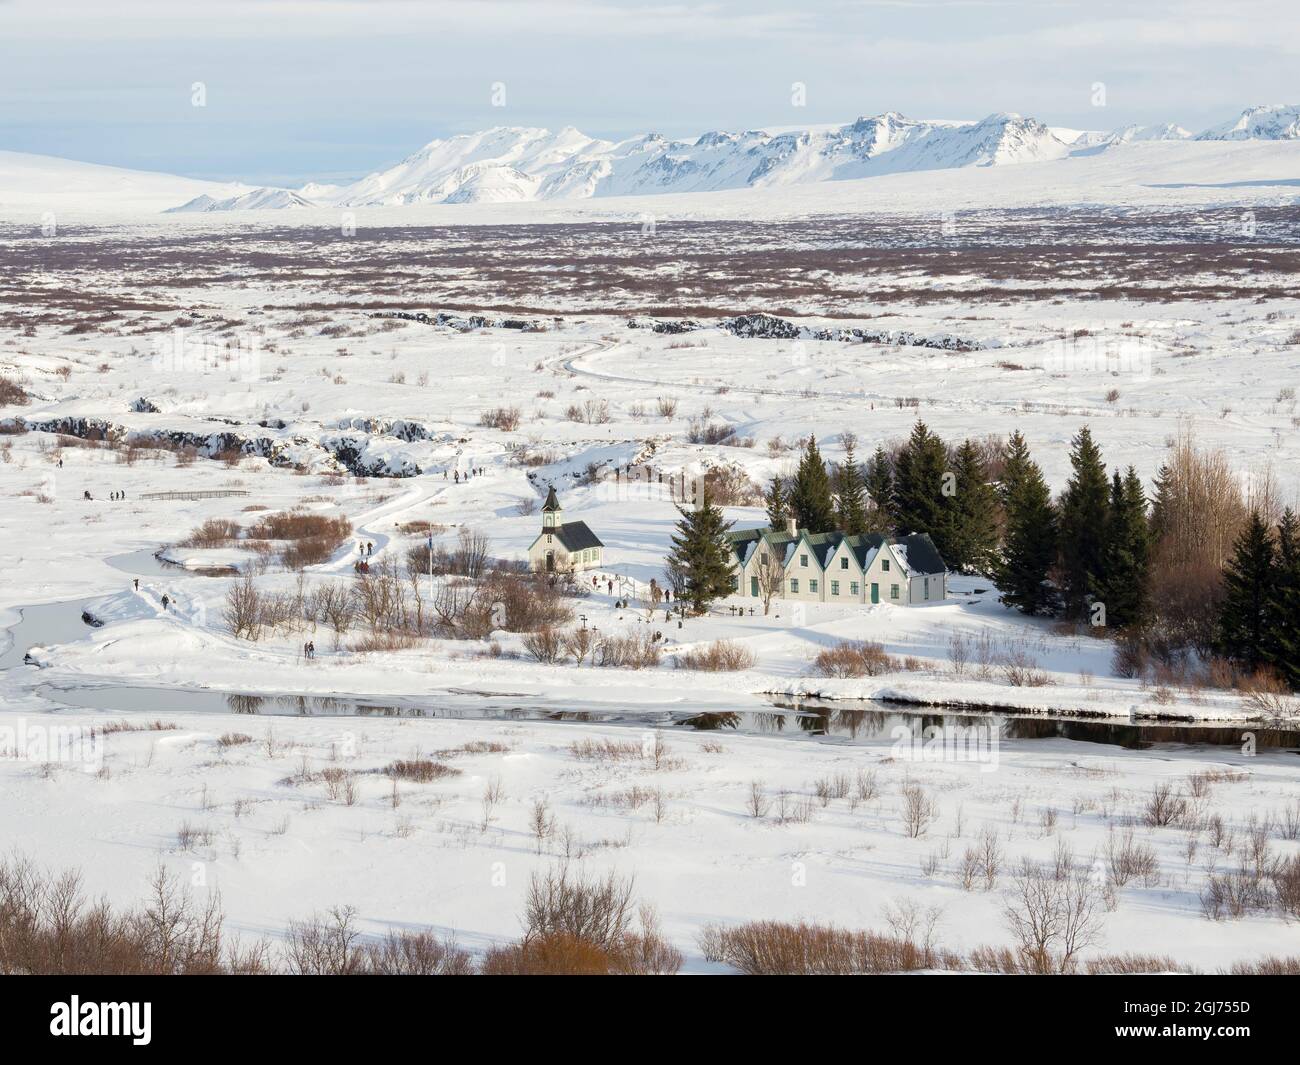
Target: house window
{"type": "Point", "coordinates": [884, 564]}
{"type": "Point", "coordinates": [549, 538]}
{"type": "Point", "coordinates": [927, 587]}
{"type": "Point", "coordinates": [794, 584]}
{"type": "Point", "coordinates": [803, 560]}
{"type": "Point", "coordinates": [893, 591]}
{"type": "Point", "coordinates": [735, 583]}
{"type": "Point", "coordinates": [844, 563]}
{"type": "Point", "coordinates": [812, 585]}
{"type": "Point", "coordinates": [835, 587]}
{"type": "Point", "coordinates": [853, 587]}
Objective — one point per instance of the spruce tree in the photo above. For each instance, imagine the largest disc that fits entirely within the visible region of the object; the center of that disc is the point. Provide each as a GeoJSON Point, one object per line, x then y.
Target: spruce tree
{"type": "Point", "coordinates": [775, 500]}
{"type": "Point", "coordinates": [920, 503]}
{"type": "Point", "coordinates": [1247, 586]}
{"type": "Point", "coordinates": [880, 490]}
{"type": "Point", "coordinates": [1021, 572]}
{"type": "Point", "coordinates": [1125, 585]}
{"type": "Point", "coordinates": [1282, 640]}
{"type": "Point", "coordinates": [974, 537]}
{"type": "Point", "coordinates": [1083, 518]}
{"type": "Point", "coordinates": [810, 499]}
{"type": "Point", "coordinates": [702, 554]}
{"type": "Point", "coordinates": [850, 493]}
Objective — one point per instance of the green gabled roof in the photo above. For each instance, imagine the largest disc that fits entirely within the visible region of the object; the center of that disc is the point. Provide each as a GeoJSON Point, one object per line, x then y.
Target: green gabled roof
{"type": "Point", "coordinates": [552, 503]}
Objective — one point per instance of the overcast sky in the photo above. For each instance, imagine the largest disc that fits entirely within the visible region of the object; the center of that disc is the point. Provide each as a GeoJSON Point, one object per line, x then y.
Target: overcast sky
{"type": "Point", "coordinates": [301, 89]}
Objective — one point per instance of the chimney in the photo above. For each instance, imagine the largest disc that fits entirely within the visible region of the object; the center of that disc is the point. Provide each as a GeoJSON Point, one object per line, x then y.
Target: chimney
{"type": "Point", "coordinates": [791, 527]}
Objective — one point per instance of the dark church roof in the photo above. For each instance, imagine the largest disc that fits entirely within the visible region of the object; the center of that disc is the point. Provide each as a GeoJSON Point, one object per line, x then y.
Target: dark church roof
{"type": "Point", "coordinates": [575, 536]}
{"type": "Point", "coordinates": [552, 502]}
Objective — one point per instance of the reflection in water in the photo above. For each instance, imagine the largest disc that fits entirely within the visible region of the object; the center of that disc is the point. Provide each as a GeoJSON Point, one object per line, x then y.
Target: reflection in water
{"type": "Point", "coordinates": [849, 723]}
{"type": "Point", "coordinates": [712, 722]}
{"type": "Point", "coordinates": [244, 704]}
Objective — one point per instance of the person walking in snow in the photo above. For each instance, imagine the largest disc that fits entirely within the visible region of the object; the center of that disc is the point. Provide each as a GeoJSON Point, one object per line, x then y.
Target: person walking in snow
{"type": "Point", "coordinates": [137, 584]}
{"type": "Point", "coordinates": [165, 601]}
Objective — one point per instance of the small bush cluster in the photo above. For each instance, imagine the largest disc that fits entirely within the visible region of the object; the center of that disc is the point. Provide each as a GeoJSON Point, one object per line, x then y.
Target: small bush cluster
{"type": "Point", "coordinates": [854, 658]}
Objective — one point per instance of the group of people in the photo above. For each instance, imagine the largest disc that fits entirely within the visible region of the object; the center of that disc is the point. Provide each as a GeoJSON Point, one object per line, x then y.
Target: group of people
{"type": "Point", "coordinates": [309, 649]}
{"type": "Point", "coordinates": [473, 471]}
{"type": "Point", "coordinates": [111, 495]}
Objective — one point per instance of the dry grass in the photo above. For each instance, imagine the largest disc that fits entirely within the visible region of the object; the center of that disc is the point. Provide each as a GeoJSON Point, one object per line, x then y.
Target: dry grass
{"type": "Point", "coordinates": [606, 750]}
{"type": "Point", "coordinates": [114, 727]}
{"type": "Point", "coordinates": [12, 394]}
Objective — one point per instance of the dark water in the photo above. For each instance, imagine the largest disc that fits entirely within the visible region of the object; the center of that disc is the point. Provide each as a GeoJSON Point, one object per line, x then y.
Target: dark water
{"type": "Point", "coordinates": [859, 723]}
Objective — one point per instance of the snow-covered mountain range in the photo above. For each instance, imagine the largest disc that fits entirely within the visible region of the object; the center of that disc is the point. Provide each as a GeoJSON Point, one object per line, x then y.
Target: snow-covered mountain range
{"type": "Point", "coordinates": [506, 165]}
{"type": "Point", "coordinates": [512, 164]}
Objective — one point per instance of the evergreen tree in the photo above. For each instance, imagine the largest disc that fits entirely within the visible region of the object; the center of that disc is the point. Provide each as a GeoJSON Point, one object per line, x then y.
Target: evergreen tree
{"type": "Point", "coordinates": [1282, 642]}
{"type": "Point", "coordinates": [775, 500]}
{"type": "Point", "coordinates": [1125, 585]}
{"type": "Point", "coordinates": [1083, 519]}
{"type": "Point", "coordinates": [702, 555]}
{"type": "Point", "coordinates": [1247, 585]}
{"type": "Point", "coordinates": [880, 490]}
{"type": "Point", "coordinates": [921, 505]}
{"type": "Point", "coordinates": [1029, 543]}
{"type": "Point", "coordinates": [974, 537]}
{"type": "Point", "coordinates": [810, 499]}
{"type": "Point", "coordinates": [850, 493]}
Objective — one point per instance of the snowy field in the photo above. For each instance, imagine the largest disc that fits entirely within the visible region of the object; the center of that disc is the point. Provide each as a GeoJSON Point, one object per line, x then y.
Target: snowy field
{"type": "Point", "coordinates": [282, 394]}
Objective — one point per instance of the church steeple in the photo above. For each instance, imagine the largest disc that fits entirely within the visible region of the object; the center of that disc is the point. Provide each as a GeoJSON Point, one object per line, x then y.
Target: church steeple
{"type": "Point", "coordinates": [551, 510]}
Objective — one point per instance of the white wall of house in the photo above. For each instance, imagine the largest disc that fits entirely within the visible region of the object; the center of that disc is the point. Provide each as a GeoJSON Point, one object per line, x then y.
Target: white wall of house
{"type": "Point", "coordinates": [843, 580]}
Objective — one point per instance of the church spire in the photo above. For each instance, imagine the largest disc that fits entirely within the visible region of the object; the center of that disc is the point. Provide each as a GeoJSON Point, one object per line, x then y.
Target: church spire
{"type": "Point", "coordinates": [551, 510]}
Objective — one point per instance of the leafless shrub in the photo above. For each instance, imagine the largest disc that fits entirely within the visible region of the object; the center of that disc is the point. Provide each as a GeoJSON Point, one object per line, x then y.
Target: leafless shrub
{"type": "Point", "coordinates": [1233, 893]}
{"type": "Point", "coordinates": [1165, 807]}
{"type": "Point", "coordinates": [243, 609]}
{"type": "Point", "coordinates": [504, 418]}
{"type": "Point", "coordinates": [854, 658]}
{"type": "Point", "coordinates": [1128, 859]}
{"type": "Point", "coordinates": [12, 394]}
{"type": "Point", "coordinates": [420, 770]}
{"type": "Point", "coordinates": [721, 656]}
{"type": "Point", "coordinates": [775, 948]}
{"type": "Point", "coordinates": [327, 945]}
{"type": "Point", "coordinates": [595, 910]}
{"type": "Point", "coordinates": [1052, 920]}
{"type": "Point", "coordinates": [580, 644]}
{"type": "Point", "coordinates": [418, 953]}
{"type": "Point", "coordinates": [666, 407]}
{"type": "Point", "coordinates": [919, 811]}
{"type": "Point", "coordinates": [213, 533]}
{"type": "Point", "coordinates": [544, 645]}
{"type": "Point", "coordinates": [634, 650]}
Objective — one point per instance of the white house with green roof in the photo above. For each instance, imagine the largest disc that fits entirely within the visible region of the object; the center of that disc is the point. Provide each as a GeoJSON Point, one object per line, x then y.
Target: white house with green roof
{"type": "Point", "coordinates": [563, 546]}
{"type": "Point", "coordinates": [835, 567]}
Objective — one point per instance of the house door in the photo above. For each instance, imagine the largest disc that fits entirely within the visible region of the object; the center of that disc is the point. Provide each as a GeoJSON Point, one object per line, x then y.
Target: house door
{"type": "Point", "coordinates": [550, 561]}
{"type": "Point", "coordinates": [875, 593]}
{"type": "Point", "coordinates": [753, 587]}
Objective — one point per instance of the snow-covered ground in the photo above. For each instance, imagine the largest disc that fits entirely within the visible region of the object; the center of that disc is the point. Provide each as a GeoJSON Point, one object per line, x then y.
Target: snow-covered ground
{"type": "Point", "coordinates": [308, 395]}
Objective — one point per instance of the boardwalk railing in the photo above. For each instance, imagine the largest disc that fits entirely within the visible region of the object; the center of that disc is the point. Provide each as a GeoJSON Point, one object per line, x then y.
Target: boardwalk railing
{"type": "Point", "coordinates": [214, 493]}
